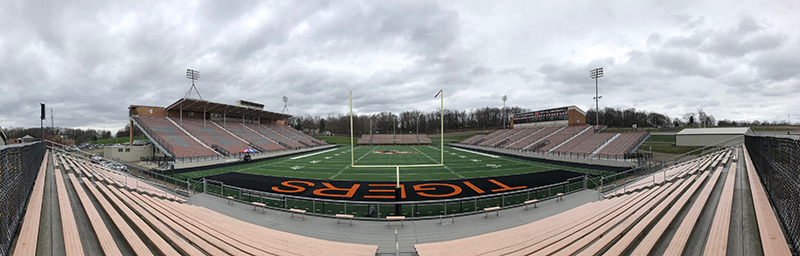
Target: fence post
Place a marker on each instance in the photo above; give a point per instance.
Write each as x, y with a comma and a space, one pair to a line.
602, 178
585, 180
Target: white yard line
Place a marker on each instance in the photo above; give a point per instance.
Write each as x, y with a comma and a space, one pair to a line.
348, 166
477, 153
316, 153
445, 167
340, 172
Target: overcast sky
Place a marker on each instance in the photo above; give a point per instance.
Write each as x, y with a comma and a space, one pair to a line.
89, 60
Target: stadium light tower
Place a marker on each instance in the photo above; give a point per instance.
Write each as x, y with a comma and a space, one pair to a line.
194, 75
505, 97
595, 74
285, 104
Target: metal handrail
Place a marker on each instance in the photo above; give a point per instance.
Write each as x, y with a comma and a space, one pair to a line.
284, 197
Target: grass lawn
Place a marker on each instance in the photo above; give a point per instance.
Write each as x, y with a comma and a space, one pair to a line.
663, 144
333, 139
335, 165
776, 128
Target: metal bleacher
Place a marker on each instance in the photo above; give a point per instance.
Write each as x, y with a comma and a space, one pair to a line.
181, 143
689, 213
213, 135
572, 140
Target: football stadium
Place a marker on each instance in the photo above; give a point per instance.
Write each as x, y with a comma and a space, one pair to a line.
549, 185
417, 128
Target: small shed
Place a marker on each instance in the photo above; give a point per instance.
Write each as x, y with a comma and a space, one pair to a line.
708, 136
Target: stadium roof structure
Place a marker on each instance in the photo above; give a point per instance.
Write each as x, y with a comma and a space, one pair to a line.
198, 105
716, 131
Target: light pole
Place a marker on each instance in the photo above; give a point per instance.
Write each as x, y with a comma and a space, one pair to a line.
418, 124
194, 75
505, 97
595, 74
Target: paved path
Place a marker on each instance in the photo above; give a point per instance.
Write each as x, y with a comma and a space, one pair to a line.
377, 232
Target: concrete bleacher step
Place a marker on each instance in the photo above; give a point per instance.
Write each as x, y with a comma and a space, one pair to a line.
227, 131
588, 128
604, 144
536, 143
525, 137
187, 133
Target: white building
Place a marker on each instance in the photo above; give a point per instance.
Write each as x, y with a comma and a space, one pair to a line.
708, 136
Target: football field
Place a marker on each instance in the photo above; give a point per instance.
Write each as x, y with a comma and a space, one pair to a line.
335, 164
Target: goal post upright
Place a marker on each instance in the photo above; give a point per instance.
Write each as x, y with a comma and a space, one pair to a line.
441, 148
352, 157
397, 167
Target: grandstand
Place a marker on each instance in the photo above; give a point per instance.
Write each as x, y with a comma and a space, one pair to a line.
193, 130
393, 139
558, 131
562, 116
656, 216
685, 209
104, 212
582, 141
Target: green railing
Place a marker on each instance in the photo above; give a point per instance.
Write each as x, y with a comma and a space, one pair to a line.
410, 209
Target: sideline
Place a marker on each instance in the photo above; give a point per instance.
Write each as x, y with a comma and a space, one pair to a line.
474, 152
316, 153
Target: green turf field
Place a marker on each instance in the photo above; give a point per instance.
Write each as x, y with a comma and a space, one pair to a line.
334, 164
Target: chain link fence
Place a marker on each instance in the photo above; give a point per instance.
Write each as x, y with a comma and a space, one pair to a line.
19, 165
777, 162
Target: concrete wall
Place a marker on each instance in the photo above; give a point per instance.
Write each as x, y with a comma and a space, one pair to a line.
542, 124
701, 139
576, 118
130, 153
147, 111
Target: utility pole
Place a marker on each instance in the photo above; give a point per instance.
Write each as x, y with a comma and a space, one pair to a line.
505, 97
595, 74
41, 122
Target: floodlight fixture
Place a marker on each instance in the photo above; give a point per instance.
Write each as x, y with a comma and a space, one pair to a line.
595, 74
194, 75
285, 105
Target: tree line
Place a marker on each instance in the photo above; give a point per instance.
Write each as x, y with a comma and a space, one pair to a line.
58, 134
492, 118
414, 121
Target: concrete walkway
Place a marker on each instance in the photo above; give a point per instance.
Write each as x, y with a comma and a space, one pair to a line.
378, 233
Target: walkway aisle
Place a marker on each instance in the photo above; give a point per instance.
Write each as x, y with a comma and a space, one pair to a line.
377, 233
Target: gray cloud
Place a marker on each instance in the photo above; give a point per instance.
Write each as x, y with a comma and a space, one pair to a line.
90, 60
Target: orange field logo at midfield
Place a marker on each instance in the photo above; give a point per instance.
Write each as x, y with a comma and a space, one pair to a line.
392, 152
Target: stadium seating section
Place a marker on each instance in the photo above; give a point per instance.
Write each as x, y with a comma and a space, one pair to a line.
101, 212
685, 209
393, 139
192, 137
573, 140
182, 144
637, 221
